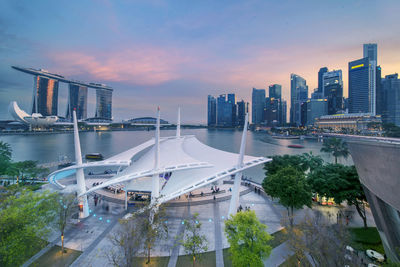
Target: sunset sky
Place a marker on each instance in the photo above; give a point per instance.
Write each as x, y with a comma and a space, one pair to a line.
174, 53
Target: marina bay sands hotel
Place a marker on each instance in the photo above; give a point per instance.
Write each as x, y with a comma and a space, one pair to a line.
45, 95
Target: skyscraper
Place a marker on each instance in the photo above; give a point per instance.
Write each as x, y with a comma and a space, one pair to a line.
45, 96
211, 111
224, 111
272, 106
232, 101
257, 106
332, 88
320, 75
362, 86
315, 109
380, 97
371, 51
77, 99
283, 113
298, 95
391, 87
103, 104
242, 110
275, 91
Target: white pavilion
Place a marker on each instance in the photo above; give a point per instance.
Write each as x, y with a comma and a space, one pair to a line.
165, 166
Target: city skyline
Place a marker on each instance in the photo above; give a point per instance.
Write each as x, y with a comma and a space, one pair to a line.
187, 51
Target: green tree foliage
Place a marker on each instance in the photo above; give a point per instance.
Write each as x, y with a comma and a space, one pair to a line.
391, 130
290, 186
335, 146
193, 242
24, 217
342, 183
248, 239
304, 162
5, 157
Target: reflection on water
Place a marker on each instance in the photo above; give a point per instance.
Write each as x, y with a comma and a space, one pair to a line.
49, 147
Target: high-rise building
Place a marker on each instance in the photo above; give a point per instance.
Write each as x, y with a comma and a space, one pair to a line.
224, 111
332, 88
103, 104
320, 75
391, 88
77, 100
258, 106
298, 95
362, 86
211, 111
272, 106
45, 96
371, 51
315, 109
232, 101
275, 91
380, 97
317, 94
242, 108
283, 113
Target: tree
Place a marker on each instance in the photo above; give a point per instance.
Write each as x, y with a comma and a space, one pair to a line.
65, 205
248, 239
324, 243
342, 183
127, 240
290, 186
24, 219
391, 130
153, 227
193, 242
335, 146
303, 163
5, 157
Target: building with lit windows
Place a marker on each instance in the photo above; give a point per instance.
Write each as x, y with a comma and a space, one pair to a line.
77, 100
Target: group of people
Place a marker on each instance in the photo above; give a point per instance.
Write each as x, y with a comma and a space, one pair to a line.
96, 199
241, 208
214, 189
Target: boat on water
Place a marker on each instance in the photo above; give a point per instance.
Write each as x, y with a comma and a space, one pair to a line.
94, 156
295, 146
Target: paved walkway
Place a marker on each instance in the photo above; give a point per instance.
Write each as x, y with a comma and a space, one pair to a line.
176, 245
219, 257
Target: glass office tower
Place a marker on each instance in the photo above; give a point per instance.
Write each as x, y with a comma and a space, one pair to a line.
332, 87
257, 106
211, 111
77, 99
103, 104
45, 96
359, 86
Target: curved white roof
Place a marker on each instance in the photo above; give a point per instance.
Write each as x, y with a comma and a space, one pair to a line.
192, 164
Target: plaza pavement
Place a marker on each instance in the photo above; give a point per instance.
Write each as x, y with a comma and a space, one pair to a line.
91, 235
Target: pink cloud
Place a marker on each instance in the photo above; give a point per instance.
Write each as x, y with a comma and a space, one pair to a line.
144, 66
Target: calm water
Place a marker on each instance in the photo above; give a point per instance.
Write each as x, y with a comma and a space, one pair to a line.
49, 147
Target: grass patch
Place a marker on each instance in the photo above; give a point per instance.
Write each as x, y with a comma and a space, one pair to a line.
53, 257
207, 260
227, 257
278, 238
366, 238
154, 261
292, 261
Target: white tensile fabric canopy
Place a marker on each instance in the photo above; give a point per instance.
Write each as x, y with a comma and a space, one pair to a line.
184, 161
